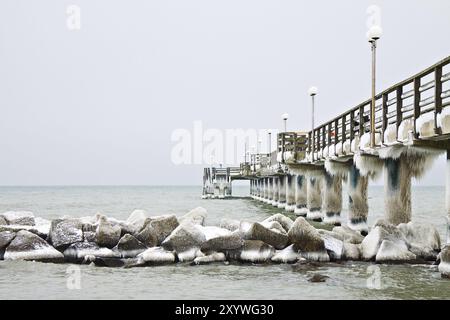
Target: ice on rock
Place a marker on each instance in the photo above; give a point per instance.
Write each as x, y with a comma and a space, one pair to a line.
189, 254
335, 247
157, 255
230, 224
423, 239
351, 251
129, 246
23, 218
107, 234
137, 219
284, 221
287, 255
195, 216
210, 258
162, 226
393, 252
349, 235
5, 239
28, 246
186, 236
444, 265
256, 251
78, 251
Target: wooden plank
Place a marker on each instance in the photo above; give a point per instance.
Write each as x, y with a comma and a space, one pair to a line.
416, 104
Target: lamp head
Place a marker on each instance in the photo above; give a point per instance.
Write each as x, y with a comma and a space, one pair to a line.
285, 116
375, 32
313, 91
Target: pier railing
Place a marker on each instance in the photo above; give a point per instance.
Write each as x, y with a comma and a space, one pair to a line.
423, 95
292, 146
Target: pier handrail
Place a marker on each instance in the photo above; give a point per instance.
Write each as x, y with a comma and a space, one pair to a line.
408, 99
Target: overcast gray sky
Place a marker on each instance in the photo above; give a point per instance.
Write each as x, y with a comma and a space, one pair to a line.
98, 105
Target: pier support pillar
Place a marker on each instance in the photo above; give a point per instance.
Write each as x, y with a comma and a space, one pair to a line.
282, 192
397, 191
301, 195
314, 198
332, 199
357, 197
275, 192
270, 190
258, 189
447, 196
290, 193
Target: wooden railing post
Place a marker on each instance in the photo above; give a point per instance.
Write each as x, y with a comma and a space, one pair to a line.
385, 112
437, 96
399, 106
416, 105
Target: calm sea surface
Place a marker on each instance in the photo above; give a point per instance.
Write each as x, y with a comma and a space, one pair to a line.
30, 280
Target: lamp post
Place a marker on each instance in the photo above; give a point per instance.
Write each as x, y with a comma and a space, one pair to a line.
373, 35
313, 91
285, 118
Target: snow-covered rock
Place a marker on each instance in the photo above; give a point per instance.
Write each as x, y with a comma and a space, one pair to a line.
28, 246
287, 255
305, 237
3, 221
348, 235
65, 232
5, 239
230, 224
230, 241
210, 258
137, 219
444, 265
195, 216
189, 254
186, 236
107, 234
334, 247
423, 239
394, 252
162, 226
276, 238
351, 251
254, 251
129, 246
24, 218
80, 250
157, 255
285, 222
148, 236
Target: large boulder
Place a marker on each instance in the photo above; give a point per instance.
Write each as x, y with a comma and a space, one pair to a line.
305, 237
28, 246
107, 234
444, 265
24, 218
382, 231
148, 236
81, 251
5, 239
137, 219
157, 255
423, 239
195, 216
276, 238
334, 247
254, 251
16, 228
3, 221
229, 241
351, 251
284, 221
129, 246
348, 235
162, 226
186, 236
394, 252
65, 232
287, 255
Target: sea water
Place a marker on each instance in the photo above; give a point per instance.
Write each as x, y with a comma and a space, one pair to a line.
349, 280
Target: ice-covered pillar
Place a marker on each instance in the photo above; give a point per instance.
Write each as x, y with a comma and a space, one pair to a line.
332, 199
447, 196
314, 198
282, 192
258, 188
290, 193
270, 190
275, 191
397, 191
251, 187
357, 198
301, 195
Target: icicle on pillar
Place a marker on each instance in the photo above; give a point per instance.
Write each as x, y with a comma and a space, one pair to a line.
301, 196
314, 199
290, 193
275, 192
397, 191
282, 192
332, 199
270, 190
357, 198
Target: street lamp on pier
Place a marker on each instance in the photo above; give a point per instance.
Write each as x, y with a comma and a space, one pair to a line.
313, 91
373, 35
